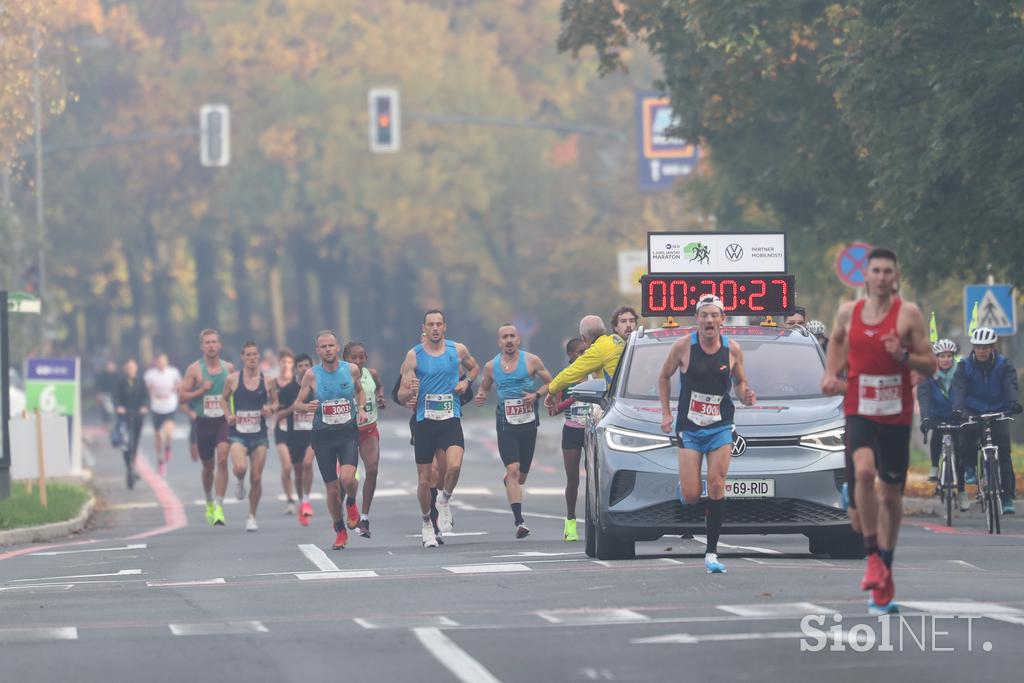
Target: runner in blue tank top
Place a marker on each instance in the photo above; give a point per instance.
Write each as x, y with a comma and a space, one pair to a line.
515, 371
430, 382
706, 362
250, 399
336, 409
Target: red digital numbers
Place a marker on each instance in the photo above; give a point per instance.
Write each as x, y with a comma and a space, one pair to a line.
762, 288
727, 304
740, 294
784, 284
657, 302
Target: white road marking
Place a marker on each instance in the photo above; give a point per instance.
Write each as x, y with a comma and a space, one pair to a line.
393, 492
474, 491
328, 576
967, 564
963, 608
173, 584
777, 609
28, 635
131, 546
823, 563
318, 557
234, 501
224, 628
487, 568
450, 533
123, 572
750, 559
28, 588
132, 506
670, 560
688, 639
1008, 618
756, 549
473, 508
544, 490
603, 563
538, 553
463, 666
412, 621
582, 617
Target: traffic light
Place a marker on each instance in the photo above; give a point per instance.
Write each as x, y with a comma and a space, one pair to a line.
214, 135
384, 120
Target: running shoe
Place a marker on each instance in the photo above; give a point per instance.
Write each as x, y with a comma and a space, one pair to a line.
971, 476
364, 528
844, 495
882, 597
289, 508
162, 468
522, 531
875, 573
251, 525
712, 565
933, 474
876, 609
341, 540
444, 514
210, 517
569, 531
352, 513
963, 501
240, 489
437, 533
305, 512
130, 478
1008, 508
429, 539
218, 515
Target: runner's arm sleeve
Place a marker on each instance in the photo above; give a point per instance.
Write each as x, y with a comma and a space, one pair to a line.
958, 392
591, 360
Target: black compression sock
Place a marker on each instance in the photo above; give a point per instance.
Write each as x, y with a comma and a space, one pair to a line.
714, 523
350, 500
517, 512
871, 544
886, 555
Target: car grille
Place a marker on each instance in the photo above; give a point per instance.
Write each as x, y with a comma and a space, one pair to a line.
737, 512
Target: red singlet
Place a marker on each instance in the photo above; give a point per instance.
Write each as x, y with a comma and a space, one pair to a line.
878, 386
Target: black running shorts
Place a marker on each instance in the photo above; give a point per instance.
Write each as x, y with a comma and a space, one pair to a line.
434, 435
890, 444
333, 447
516, 445
572, 438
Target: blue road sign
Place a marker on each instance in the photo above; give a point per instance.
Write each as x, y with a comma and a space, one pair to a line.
661, 159
850, 263
996, 307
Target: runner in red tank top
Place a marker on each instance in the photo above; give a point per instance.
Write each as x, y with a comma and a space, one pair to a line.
878, 341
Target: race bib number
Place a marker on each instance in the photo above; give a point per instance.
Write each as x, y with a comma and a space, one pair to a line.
880, 395
578, 412
438, 406
247, 421
212, 406
337, 411
705, 409
303, 422
517, 412
368, 409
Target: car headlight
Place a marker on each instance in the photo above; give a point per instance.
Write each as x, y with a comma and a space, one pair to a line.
832, 440
633, 442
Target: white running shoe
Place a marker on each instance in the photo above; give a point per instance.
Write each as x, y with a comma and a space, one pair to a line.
289, 509
522, 531
963, 502
251, 525
240, 489
444, 514
429, 540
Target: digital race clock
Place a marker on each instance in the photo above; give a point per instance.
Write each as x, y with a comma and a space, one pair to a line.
668, 294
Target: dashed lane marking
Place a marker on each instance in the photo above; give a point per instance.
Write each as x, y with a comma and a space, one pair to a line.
754, 548
31, 635
689, 639
224, 628
473, 508
412, 621
177, 584
581, 617
463, 666
330, 576
777, 609
123, 572
318, 557
487, 568
131, 546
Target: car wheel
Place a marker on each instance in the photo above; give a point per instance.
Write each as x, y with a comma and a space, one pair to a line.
590, 538
612, 547
844, 544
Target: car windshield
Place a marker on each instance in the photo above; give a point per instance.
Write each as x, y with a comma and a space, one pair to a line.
775, 370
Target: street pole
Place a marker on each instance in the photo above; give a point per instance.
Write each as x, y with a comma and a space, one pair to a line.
38, 114
5, 401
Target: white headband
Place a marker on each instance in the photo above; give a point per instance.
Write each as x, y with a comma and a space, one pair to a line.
711, 300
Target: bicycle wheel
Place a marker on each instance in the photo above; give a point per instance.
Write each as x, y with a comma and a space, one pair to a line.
946, 483
997, 503
983, 494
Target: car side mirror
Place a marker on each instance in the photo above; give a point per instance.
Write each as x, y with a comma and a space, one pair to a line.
590, 391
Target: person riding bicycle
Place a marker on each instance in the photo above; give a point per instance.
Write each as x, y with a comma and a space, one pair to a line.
986, 382
933, 396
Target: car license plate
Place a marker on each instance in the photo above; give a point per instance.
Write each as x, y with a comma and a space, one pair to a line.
744, 488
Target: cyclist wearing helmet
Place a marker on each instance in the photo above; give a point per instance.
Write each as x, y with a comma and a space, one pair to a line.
933, 395
986, 382
817, 328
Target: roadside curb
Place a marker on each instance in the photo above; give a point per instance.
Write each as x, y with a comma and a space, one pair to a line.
48, 532
926, 507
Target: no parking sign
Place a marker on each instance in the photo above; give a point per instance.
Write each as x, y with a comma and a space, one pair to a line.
851, 262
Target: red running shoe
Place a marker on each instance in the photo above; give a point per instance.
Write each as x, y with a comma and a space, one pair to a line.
352, 516
881, 597
875, 574
305, 512
341, 540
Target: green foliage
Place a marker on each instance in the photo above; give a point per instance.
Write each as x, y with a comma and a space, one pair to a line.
64, 502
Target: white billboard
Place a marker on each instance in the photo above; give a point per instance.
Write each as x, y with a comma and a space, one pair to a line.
715, 252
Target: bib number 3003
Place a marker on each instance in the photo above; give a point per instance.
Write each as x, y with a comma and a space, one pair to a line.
337, 411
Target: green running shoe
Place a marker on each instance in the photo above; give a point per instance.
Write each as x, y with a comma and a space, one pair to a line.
570, 531
209, 513
218, 515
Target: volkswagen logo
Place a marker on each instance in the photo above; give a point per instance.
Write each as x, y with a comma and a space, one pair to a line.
734, 252
739, 445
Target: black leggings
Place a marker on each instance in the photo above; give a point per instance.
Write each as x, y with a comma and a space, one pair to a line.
134, 428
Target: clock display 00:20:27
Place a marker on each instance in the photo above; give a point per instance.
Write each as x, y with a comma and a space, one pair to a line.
740, 294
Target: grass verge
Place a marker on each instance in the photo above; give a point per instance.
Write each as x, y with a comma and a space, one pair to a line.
22, 509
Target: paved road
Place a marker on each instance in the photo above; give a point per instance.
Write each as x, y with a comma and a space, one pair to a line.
150, 592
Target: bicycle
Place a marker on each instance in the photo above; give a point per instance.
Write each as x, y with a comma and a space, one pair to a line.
989, 489
948, 478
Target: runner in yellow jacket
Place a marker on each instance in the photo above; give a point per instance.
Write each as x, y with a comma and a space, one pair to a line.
602, 355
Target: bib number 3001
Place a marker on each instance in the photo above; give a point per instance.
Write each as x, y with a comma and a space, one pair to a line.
880, 395
705, 409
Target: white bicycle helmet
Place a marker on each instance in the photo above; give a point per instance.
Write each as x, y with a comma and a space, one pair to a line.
944, 346
984, 336
816, 327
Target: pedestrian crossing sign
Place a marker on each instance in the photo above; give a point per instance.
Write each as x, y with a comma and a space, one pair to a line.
996, 307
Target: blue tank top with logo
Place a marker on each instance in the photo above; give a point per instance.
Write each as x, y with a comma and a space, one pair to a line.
337, 395
511, 387
438, 376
